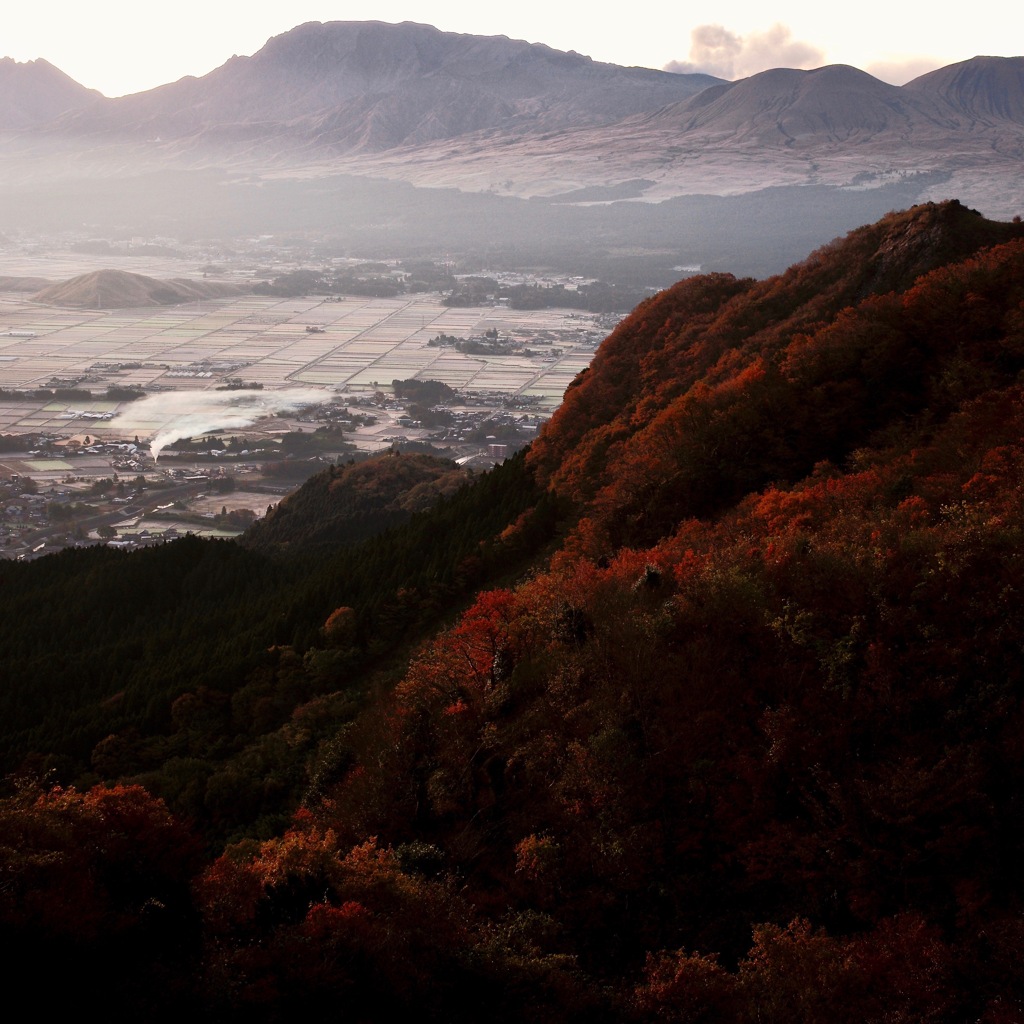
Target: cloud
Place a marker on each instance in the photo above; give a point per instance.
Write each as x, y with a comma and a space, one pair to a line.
715, 50
899, 72
191, 413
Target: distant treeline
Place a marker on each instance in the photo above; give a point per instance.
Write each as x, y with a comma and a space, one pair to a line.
373, 279
381, 281
428, 392
112, 394
596, 297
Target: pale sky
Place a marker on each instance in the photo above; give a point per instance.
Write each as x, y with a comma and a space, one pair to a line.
123, 46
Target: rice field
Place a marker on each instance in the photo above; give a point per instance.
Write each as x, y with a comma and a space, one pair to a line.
361, 345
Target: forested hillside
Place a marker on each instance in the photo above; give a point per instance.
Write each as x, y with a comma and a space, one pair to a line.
349, 503
709, 708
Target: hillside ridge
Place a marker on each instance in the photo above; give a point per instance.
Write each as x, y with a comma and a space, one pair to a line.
710, 706
35, 92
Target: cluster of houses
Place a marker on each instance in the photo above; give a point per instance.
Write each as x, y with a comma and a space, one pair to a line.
20, 510
130, 539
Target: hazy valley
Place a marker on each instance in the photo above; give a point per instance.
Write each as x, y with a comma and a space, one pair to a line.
399, 139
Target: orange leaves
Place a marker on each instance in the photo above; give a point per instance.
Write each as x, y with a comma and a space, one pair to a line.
299, 915
783, 511
340, 627
717, 387
84, 864
461, 666
228, 895
900, 972
248, 878
324, 921
914, 510
242, 880
588, 540
485, 628
687, 987
536, 857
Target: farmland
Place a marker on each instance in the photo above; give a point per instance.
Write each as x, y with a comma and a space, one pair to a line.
351, 345
100, 392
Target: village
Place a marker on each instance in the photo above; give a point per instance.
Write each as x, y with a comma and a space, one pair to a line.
70, 477
131, 426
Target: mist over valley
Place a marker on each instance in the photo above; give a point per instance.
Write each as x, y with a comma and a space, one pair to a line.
394, 140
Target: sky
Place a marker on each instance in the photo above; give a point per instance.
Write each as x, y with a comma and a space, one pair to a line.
123, 46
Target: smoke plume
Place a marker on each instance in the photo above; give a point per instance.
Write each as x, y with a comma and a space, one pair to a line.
191, 413
715, 50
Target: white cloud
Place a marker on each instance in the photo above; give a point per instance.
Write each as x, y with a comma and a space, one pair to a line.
714, 50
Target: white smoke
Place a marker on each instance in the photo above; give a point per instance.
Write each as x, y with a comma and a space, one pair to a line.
715, 50
191, 413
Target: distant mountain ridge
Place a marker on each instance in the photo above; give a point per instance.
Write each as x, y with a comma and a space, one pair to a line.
506, 119
372, 86
960, 131
836, 103
35, 91
981, 88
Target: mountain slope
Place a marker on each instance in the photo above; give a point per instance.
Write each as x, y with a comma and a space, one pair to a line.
346, 504
760, 765
834, 126
983, 88
36, 92
373, 86
496, 118
788, 107
714, 384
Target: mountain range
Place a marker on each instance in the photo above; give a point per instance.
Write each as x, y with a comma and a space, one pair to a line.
401, 139
493, 114
35, 92
369, 86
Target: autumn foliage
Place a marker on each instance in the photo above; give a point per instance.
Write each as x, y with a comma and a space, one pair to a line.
744, 743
